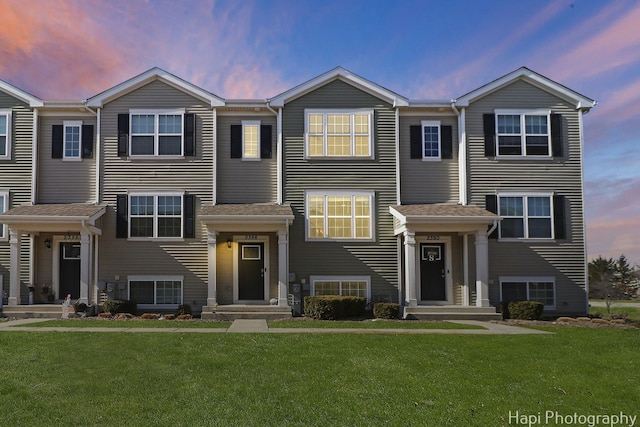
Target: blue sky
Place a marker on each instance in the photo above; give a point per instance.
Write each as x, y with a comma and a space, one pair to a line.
74, 49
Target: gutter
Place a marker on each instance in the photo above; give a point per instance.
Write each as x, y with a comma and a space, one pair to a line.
462, 153
279, 168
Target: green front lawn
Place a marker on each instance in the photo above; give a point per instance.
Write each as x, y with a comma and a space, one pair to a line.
133, 323
630, 313
369, 324
89, 378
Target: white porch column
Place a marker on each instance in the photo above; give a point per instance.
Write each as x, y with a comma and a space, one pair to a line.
283, 270
211, 284
482, 269
465, 270
411, 298
85, 265
14, 267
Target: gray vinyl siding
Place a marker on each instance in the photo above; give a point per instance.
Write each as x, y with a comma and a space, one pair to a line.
563, 259
61, 181
245, 181
427, 181
123, 258
377, 259
15, 177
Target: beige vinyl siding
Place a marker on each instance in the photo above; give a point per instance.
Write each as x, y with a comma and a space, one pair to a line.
377, 259
563, 259
61, 181
15, 177
123, 258
427, 181
245, 181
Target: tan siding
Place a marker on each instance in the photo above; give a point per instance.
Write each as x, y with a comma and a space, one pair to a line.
427, 181
62, 181
245, 181
564, 259
376, 259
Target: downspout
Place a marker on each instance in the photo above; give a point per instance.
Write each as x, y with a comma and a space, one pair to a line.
98, 156
397, 153
279, 168
214, 166
462, 154
34, 158
584, 224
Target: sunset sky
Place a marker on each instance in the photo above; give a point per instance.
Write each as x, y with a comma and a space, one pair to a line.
74, 49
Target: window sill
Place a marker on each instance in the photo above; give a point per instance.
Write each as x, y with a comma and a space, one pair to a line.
341, 158
527, 240
72, 159
248, 159
434, 159
156, 158
520, 158
155, 239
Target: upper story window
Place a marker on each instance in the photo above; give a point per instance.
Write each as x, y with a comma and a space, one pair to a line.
526, 216
5, 134
339, 133
152, 215
430, 140
339, 215
251, 140
72, 140
523, 133
4, 203
157, 133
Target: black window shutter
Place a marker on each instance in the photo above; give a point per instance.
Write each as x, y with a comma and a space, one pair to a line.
123, 134
489, 121
57, 141
236, 141
415, 141
122, 216
556, 135
87, 141
559, 220
446, 142
189, 224
265, 141
190, 134
491, 204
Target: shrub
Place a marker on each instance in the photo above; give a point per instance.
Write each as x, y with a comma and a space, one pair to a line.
183, 309
333, 307
114, 306
523, 310
386, 310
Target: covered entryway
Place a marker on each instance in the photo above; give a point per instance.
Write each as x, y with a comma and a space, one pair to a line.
64, 239
250, 271
433, 283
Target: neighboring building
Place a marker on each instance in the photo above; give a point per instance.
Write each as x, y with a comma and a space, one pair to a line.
161, 192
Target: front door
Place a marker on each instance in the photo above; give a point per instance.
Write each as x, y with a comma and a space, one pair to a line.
432, 272
69, 270
251, 271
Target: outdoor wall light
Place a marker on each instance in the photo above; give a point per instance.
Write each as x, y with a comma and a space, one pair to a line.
47, 243
229, 243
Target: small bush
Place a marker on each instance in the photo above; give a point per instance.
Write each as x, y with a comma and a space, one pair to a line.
183, 309
524, 310
386, 310
114, 306
333, 307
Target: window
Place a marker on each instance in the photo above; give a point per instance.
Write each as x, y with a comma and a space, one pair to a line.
155, 215
5, 134
357, 286
540, 289
339, 216
430, 140
4, 203
157, 133
160, 290
523, 133
338, 133
526, 216
251, 140
72, 140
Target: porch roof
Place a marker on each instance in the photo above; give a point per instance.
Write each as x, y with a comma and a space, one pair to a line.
445, 216
43, 217
248, 213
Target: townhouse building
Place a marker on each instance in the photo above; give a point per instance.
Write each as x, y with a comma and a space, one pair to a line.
161, 192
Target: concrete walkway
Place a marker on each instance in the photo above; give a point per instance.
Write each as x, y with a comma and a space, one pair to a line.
260, 326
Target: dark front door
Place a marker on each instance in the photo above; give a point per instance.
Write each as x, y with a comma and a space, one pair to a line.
251, 271
69, 270
432, 272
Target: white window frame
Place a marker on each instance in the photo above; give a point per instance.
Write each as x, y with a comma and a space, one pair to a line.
7, 115
4, 205
528, 280
156, 132
341, 279
431, 123
523, 133
352, 134
353, 194
246, 123
68, 124
525, 216
155, 216
155, 279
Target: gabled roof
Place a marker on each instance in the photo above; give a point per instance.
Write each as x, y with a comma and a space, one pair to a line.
346, 76
20, 94
54, 212
147, 77
538, 80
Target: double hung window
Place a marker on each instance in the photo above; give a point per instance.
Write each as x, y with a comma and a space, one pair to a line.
72, 143
155, 215
357, 286
157, 133
4, 203
339, 216
339, 133
523, 133
5, 134
251, 140
540, 289
156, 290
526, 216
431, 140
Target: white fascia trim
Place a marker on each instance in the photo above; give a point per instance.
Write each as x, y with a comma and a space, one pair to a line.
20, 94
246, 219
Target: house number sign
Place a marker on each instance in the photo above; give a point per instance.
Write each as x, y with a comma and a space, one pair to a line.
251, 237
70, 236
433, 237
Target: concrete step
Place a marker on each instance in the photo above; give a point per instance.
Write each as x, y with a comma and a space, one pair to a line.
44, 311
236, 311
